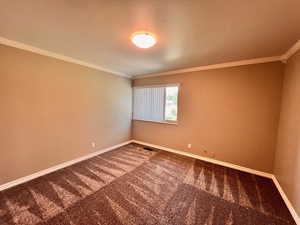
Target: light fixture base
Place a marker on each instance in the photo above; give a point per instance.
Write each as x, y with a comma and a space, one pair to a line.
143, 39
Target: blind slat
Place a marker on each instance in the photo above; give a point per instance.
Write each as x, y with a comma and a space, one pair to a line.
148, 104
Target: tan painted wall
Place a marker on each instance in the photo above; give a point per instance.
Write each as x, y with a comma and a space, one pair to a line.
232, 112
51, 111
287, 160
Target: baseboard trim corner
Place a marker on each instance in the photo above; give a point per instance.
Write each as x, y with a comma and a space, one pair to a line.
218, 162
286, 200
233, 166
101, 151
59, 166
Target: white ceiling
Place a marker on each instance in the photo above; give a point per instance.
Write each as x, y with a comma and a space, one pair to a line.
190, 32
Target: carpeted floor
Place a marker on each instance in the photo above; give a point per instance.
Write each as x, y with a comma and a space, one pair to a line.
131, 185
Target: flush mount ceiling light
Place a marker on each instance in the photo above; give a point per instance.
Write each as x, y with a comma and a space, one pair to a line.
143, 39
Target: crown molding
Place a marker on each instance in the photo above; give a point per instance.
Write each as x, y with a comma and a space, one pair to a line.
213, 66
43, 52
283, 58
293, 50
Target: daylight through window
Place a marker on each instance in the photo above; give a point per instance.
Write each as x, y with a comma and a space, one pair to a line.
156, 103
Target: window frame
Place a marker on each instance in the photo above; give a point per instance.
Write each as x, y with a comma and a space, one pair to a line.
172, 122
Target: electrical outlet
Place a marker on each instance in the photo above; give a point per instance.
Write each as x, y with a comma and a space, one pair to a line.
213, 155
189, 145
93, 144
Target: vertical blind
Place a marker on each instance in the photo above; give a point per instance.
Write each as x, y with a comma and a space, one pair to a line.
148, 103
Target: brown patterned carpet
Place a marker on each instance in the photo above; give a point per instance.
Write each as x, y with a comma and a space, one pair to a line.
131, 185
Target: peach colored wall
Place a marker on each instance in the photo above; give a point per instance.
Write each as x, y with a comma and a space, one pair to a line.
287, 160
52, 110
230, 112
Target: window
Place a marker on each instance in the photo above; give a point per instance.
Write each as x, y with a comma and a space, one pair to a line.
156, 103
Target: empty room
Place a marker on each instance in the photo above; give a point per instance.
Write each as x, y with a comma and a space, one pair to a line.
149, 112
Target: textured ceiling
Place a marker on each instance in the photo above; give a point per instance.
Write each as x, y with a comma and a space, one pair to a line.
190, 32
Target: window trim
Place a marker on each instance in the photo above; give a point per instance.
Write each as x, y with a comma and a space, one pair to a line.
161, 122
170, 122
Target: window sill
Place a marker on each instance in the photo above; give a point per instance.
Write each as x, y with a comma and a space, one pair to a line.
163, 122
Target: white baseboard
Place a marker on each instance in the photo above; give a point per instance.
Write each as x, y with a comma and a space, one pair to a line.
233, 166
226, 164
59, 166
218, 162
287, 201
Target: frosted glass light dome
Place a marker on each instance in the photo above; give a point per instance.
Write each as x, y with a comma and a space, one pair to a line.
143, 39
